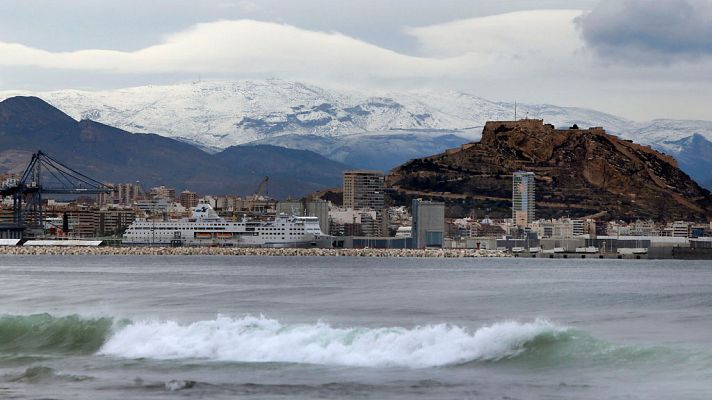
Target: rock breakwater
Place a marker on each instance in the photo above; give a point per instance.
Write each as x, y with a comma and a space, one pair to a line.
233, 251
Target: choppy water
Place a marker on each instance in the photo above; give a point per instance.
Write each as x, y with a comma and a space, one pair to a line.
220, 327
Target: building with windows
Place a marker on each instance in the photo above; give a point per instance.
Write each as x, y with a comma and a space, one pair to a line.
82, 222
153, 207
188, 199
365, 190
428, 227
523, 198
681, 229
351, 222
122, 195
162, 192
113, 222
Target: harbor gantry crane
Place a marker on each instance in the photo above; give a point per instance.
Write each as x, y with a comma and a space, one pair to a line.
43, 175
261, 188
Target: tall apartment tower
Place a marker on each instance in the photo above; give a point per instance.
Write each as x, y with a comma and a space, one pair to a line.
523, 195
364, 189
122, 194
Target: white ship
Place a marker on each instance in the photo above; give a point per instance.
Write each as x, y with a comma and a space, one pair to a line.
206, 228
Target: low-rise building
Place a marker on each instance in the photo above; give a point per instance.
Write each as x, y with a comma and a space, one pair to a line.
680, 229
354, 222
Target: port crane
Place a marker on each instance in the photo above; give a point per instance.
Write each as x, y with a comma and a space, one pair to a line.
43, 175
261, 188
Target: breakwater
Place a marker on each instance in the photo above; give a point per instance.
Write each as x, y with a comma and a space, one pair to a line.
246, 251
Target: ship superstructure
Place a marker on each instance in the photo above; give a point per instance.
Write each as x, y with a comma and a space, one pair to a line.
206, 228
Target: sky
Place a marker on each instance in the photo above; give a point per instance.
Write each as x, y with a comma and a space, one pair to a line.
640, 59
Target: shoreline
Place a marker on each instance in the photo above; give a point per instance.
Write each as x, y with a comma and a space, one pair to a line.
248, 251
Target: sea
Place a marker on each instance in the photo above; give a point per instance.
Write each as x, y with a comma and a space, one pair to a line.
137, 327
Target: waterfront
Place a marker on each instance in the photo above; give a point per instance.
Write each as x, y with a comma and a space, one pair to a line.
116, 327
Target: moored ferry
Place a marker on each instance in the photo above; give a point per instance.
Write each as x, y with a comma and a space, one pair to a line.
206, 228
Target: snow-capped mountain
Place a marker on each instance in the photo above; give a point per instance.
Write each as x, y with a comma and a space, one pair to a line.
221, 114
346, 125
218, 114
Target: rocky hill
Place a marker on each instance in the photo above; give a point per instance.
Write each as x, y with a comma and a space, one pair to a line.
112, 155
579, 172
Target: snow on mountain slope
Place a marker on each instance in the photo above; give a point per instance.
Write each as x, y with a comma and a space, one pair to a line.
669, 130
221, 114
218, 114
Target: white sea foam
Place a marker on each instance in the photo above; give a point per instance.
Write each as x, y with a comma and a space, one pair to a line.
259, 339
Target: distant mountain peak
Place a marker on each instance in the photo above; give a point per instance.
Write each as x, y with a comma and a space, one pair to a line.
19, 105
32, 111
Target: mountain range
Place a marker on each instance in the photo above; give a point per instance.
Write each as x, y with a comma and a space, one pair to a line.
366, 129
112, 155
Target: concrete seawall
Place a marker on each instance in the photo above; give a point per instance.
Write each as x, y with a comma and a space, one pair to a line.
233, 251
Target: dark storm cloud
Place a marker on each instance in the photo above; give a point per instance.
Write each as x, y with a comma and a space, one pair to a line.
644, 31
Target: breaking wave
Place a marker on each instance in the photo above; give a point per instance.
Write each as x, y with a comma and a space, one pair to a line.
259, 339
251, 339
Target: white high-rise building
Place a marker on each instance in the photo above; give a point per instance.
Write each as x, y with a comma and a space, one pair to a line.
523, 198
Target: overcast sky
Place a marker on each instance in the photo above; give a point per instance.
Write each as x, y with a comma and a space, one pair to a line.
640, 59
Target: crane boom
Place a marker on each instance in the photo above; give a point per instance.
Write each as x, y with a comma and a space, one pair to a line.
262, 188
45, 175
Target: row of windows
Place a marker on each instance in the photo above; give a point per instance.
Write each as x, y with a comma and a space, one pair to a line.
173, 228
215, 228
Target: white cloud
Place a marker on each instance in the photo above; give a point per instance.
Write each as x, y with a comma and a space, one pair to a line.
461, 50
535, 56
253, 47
517, 33
514, 46
242, 47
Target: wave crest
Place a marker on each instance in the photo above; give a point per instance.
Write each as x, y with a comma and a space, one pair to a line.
260, 339
44, 333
